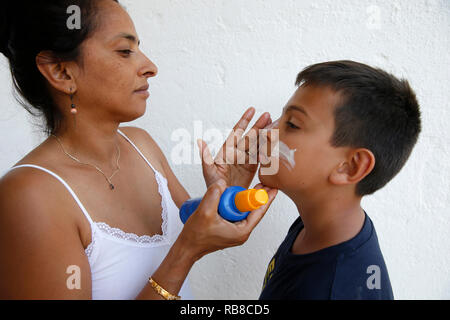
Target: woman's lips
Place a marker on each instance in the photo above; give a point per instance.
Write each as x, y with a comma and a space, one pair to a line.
143, 92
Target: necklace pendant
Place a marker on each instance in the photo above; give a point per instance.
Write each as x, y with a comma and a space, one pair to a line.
111, 186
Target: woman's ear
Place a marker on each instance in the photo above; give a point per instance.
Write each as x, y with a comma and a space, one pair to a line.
58, 73
360, 162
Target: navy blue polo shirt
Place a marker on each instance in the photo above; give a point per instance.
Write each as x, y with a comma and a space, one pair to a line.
354, 269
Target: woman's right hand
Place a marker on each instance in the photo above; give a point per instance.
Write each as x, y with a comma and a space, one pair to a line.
206, 231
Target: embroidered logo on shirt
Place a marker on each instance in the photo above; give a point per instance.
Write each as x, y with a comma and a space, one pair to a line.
269, 272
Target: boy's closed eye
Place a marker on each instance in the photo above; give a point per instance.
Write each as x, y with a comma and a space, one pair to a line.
294, 122
291, 125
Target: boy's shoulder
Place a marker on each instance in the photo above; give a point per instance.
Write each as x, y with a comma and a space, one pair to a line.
361, 273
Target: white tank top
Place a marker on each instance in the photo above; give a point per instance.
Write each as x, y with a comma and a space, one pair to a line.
121, 262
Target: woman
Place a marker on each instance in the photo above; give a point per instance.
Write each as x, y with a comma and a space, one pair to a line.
127, 242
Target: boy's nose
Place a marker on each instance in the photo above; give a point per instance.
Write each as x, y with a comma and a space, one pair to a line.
270, 127
273, 125
269, 139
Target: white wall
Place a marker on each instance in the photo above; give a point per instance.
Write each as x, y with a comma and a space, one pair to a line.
217, 57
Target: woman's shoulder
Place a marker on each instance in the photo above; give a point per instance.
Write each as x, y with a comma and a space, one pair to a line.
31, 186
27, 185
32, 197
25, 179
139, 135
36, 226
148, 146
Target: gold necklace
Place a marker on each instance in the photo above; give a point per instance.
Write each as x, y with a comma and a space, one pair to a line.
111, 186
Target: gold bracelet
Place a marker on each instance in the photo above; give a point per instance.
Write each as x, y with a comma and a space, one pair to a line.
162, 292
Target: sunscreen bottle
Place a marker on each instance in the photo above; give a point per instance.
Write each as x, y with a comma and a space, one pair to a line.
235, 203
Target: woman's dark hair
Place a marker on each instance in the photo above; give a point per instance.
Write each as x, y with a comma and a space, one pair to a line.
28, 27
377, 111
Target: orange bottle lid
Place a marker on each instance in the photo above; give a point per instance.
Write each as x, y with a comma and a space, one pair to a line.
251, 199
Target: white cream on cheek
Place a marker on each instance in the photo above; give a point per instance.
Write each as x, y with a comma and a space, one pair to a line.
282, 150
285, 154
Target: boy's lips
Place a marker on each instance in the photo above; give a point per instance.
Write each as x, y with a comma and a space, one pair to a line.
264, 159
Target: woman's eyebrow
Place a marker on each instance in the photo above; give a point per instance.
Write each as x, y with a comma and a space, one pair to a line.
128, 37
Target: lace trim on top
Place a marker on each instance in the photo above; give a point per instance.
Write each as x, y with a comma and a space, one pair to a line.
90, 247
144, 239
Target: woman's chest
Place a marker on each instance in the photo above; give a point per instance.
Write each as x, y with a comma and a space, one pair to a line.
134, 205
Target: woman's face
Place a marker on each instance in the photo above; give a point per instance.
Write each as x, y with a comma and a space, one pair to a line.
112, 80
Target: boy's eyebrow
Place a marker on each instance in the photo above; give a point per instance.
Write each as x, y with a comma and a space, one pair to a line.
297, 108
127, 36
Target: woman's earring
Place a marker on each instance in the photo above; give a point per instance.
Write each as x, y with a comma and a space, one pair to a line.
73, 108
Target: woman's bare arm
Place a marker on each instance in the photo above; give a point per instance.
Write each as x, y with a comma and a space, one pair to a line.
41, 253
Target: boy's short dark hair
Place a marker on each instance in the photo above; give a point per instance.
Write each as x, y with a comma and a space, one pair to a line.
377, 111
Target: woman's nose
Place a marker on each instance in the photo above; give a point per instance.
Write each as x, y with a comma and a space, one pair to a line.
149, 69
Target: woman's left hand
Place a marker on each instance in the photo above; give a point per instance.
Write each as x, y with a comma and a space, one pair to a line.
234, 163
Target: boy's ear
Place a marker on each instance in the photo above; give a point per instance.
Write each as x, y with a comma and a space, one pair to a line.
58, 73
360, 162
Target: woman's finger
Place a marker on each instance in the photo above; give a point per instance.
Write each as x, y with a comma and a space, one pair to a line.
245, 120
246, 144
256, 215
240, 148
210, 202
240, 127
234, 136
205, 154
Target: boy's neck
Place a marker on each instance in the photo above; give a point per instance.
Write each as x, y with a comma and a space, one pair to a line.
328, 221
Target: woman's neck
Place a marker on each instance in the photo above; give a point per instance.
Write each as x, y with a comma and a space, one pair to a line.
94, 143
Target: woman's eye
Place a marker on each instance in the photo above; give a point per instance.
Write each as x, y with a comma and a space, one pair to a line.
291, 125
126, 52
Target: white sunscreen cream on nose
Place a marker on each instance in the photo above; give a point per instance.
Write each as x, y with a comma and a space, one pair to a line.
281, 150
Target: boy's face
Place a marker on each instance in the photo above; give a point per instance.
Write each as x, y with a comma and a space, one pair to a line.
307, 125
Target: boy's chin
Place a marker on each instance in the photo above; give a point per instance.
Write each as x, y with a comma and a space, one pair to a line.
268, 180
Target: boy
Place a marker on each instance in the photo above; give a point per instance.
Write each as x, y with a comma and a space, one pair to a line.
353, 128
